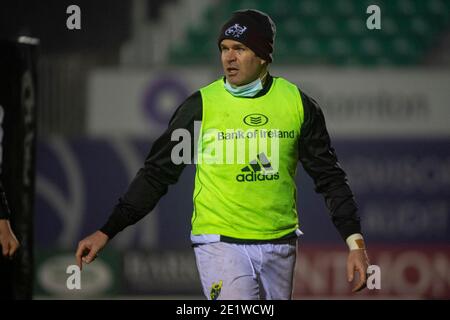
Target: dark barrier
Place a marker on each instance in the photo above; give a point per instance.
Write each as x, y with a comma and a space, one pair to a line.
18, 99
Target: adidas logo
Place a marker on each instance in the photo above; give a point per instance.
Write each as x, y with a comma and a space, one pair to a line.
257, 170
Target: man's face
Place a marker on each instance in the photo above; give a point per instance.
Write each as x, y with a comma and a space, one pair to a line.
240, 64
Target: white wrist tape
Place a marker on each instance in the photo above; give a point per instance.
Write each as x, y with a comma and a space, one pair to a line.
355, 241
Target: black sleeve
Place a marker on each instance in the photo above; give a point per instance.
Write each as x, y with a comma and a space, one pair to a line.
152, 181
4, 209
320, 161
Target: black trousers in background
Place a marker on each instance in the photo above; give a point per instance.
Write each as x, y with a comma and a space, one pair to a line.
6, 276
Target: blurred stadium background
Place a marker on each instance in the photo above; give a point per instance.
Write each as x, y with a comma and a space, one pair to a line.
105, 92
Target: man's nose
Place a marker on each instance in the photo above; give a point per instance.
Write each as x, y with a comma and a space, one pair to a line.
230, 55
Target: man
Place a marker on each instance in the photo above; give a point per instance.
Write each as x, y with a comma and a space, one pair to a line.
244, 224
9, 245
8, 240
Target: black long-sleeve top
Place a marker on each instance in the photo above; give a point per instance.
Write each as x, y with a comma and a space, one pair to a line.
4, 209
315, 153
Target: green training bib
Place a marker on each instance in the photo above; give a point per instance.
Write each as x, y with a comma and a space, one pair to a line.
246, 163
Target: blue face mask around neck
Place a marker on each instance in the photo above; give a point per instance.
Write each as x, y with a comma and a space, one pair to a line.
247, 90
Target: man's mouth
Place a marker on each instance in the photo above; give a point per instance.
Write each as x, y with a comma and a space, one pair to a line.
232, 70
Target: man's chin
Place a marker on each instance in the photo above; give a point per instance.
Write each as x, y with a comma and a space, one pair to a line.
233, 80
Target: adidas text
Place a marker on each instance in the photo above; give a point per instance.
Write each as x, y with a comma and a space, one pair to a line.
253, 176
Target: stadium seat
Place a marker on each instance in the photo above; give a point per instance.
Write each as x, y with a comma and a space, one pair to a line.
326, 32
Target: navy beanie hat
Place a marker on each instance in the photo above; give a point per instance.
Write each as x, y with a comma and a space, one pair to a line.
252, 28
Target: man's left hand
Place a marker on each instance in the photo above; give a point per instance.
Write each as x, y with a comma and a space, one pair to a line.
357, 262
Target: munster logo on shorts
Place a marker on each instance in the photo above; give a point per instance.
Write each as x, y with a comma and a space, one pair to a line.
258, 170
215, 290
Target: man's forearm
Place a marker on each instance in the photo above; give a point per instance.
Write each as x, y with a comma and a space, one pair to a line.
343, 210
142, 196
4, 208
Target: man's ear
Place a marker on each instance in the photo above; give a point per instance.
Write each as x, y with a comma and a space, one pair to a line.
262, 61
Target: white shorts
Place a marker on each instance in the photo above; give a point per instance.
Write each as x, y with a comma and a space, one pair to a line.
230, 271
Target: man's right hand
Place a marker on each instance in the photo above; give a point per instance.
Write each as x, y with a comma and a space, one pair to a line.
8, 240
89, 247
